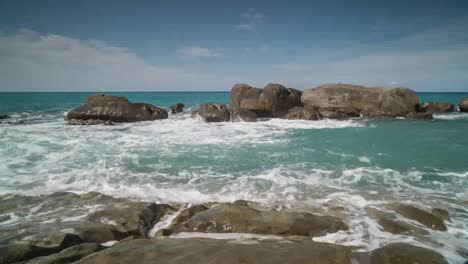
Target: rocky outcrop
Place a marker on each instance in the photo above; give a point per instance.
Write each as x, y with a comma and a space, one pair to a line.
20, 252
464, 104
68, 255
213, 251
274, 100
405, 254
240, 218
177, 108
436, 107
115, 109
212, 112
419, 116
243, 116
304, 113
345, 100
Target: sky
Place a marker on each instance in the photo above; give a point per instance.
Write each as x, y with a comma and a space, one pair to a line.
178, 45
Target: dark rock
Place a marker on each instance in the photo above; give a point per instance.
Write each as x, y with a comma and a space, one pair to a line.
213, 251
231, 218
21, 252
390, 223
305, 113
115, 109
150, 216
405, 254
187, 214
177, 108
4, 116
345, 99
211, 112
89, 122
441, 213
243, 116
437, 107
68, 255
464, 104
427, 219
273, 101
163, 232
419, 116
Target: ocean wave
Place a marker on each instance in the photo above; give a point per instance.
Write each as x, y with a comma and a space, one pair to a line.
451, 116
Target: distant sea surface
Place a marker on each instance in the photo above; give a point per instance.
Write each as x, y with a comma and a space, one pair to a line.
296, 164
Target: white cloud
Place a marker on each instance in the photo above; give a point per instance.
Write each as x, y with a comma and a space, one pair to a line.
33, 61
197, 53
250, 20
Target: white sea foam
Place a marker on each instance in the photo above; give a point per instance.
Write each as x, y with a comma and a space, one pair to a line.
451, 116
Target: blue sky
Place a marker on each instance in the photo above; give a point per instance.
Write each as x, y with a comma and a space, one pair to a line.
210, 45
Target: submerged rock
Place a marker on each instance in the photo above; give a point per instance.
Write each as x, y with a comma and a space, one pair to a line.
236, 218
419, 116
212, 112
213, 251
426, 218
68, 255
464, 105
405, 254
243, 116
437, 107
177, 108
351, 100
304, 113
274, 100
115, 109
4, 116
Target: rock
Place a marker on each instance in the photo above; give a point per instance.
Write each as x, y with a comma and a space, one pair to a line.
150, 216
115, 109
343, 100
405, 254
427, 219
235, 218
213, 251
419, 116
163, 232
437, 107
464, 104
274, 100
68, 255
211, 112
441, 213
21, 252
4, 116
177, 108
89, 122
243, 116
390, 223
187, 214
305, 113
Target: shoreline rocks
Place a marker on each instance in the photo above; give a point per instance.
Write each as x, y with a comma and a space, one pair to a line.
303, 113
463, 105
212, 112
436, 107
115, 109
177, 108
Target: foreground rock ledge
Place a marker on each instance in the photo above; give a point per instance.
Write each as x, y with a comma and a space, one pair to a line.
115, 109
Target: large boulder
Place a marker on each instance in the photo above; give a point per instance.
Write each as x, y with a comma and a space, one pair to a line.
177, 108
405, 254
20, 252
437, 107
212, 112
240, 218
344, 100
305, 113
213, 251
464, 104
274, 100
115, 109
68, 255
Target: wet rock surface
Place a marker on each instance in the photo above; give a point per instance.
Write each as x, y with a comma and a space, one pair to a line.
89, 122
197, 250
212, 112
463, 105
274, 100
177, 108
420, 116
115, 109
243, 116
68, 255
425, 218
235, 218
303, 113
437, 107
405, 254
349, 100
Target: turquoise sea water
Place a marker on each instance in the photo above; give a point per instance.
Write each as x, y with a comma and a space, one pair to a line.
298, 164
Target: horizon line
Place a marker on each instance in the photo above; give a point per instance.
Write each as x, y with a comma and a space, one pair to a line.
190, 91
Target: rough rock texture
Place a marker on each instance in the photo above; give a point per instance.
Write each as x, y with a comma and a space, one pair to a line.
426, 218
274, 100
214, 251
305, 113
177, 108
441, 213
347, 99
21, 252
243, 116
405, 254
89, 122
115, 109
393, 224
437, 107
419, 116
464, 105
212, 112
68, 255
240, 218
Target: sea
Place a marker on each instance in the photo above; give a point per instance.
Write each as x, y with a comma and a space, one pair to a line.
355, 164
